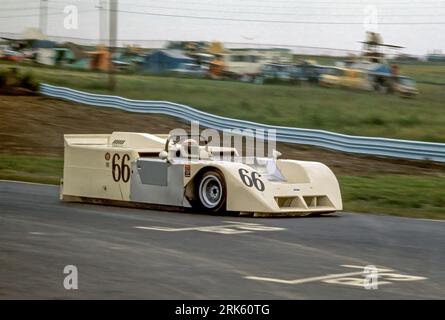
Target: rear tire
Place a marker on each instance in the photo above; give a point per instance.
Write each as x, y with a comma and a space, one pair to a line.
211, 191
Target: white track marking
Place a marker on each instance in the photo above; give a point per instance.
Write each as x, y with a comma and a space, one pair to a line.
361, 267
305, 280
385, 275
312, 279
400, 277
231, 228
431, 220
215, 229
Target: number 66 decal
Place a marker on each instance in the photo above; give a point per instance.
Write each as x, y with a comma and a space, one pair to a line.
251, 180
120, 170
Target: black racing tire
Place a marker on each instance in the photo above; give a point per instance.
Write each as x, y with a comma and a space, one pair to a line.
211, 191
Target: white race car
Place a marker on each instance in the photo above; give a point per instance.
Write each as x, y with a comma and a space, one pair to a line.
140, 169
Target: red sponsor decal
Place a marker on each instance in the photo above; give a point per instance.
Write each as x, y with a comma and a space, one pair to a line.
187, 170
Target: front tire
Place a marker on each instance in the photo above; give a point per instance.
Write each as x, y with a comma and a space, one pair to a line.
212, 192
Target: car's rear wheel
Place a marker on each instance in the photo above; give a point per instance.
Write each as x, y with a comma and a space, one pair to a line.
212, 192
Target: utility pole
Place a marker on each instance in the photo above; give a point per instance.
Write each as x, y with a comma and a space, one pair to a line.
43, 18
103, 22
112, 41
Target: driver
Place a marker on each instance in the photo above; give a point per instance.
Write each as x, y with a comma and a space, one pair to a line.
189, 148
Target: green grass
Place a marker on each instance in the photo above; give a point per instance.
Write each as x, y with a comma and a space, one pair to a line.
400, 195
343, 111
428, 73
31, 168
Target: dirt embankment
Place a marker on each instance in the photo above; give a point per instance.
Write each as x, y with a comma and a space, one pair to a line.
35, 125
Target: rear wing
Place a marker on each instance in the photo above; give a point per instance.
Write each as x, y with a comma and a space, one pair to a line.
86, 139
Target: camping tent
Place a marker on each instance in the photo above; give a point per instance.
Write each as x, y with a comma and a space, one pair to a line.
71, 55
380, 69
162, 61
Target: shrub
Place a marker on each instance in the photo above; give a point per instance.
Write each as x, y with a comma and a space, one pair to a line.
29, 82
2, 78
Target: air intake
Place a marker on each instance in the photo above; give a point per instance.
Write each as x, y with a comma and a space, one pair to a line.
289, 202
313, 202
118, 142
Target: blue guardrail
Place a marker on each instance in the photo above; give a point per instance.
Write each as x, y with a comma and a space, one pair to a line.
405, 149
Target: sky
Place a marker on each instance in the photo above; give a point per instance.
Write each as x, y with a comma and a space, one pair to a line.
417, 25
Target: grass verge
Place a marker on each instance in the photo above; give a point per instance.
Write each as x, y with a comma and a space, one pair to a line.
31, 168
338, 110
399, 195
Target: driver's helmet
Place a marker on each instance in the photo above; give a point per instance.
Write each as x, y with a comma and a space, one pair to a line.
189, 148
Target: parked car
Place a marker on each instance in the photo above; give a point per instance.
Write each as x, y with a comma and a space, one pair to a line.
238, 64
346, 78
121, 65
190, 70
276, 71
405, 87
2, 49
311, 72
282, 72
11, 55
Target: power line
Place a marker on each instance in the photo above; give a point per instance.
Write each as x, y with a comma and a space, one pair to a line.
246, 20
356, 2
298, 7
244, 3
308, 22
334, 5
253, 3
352, 5
28, 8
38, 1
287, 13
54, 13
20, 9
275, 21
343, 2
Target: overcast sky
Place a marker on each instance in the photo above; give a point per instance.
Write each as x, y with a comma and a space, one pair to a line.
318, 23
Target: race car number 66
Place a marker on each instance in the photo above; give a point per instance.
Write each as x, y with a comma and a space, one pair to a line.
120, 169
252, 180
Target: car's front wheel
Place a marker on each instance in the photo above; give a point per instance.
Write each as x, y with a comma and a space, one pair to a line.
212, 191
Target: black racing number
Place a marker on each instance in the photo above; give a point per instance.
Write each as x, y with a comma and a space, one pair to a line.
252, 180
257, 182
120, 169
125, 168
116, 169
245, 178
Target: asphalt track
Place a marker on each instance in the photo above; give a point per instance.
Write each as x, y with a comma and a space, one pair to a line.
141, 254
